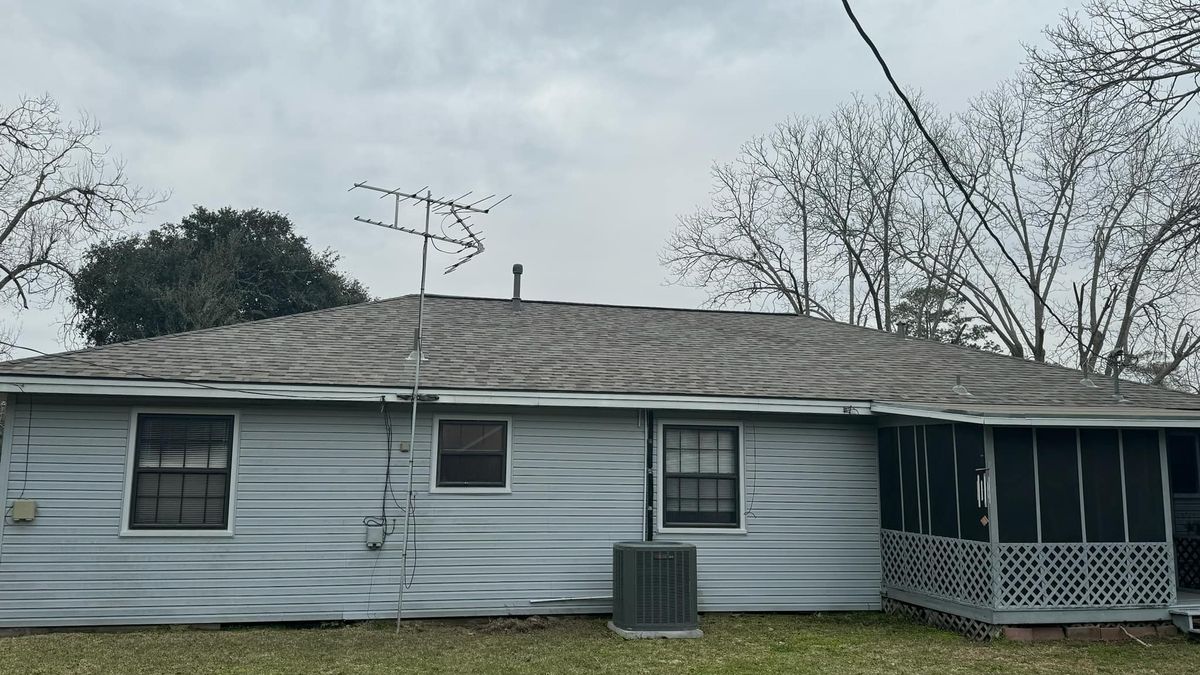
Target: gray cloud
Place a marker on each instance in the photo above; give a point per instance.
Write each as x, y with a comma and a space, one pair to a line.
601, 118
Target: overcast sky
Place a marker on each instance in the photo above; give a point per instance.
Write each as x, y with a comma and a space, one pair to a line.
602, 119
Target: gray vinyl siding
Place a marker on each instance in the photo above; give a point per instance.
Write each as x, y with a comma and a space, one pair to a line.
309, 473
812, 531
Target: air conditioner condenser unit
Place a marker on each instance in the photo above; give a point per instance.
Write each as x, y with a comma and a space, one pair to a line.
654, 590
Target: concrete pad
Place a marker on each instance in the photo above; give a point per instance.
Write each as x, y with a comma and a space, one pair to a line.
644, 634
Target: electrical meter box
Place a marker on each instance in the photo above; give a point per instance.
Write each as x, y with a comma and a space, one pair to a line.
374, 536
24, 510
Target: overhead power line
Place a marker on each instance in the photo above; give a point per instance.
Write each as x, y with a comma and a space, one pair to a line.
916, 117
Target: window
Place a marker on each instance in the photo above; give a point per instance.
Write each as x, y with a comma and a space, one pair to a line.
472, 455
181, 471
701, 484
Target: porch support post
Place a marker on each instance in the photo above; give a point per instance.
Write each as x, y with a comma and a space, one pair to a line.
989, 453
1168, 514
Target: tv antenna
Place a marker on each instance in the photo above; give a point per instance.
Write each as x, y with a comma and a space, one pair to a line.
457, 231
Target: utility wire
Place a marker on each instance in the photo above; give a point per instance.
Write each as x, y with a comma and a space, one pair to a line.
25, 460
912, 111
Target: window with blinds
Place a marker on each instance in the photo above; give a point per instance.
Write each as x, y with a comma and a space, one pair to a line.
181, 472
472, 454
701, 481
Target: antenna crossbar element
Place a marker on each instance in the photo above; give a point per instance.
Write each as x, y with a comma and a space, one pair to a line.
417, 196
449, 240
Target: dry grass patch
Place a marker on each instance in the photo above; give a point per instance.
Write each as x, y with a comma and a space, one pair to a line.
866, 643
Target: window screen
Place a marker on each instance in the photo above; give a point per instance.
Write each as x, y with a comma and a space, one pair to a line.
891, 516
1058, 484
1016, 501
1143, 485
181, 472
1183, 463
968, 449
922, 479
700, 476
943, 501
908, 479
472, 453
1103, 514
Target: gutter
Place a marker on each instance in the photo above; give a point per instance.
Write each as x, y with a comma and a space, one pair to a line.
1136, 417
31, 384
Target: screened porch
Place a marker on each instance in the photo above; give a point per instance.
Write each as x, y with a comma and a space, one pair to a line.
1012, 525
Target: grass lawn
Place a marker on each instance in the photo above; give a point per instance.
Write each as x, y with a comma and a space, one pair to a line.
732, 644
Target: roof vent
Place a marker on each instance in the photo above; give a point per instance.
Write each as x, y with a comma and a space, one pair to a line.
416, 350
1088, 382
1117, 361
518, 269
959, 388
902, 329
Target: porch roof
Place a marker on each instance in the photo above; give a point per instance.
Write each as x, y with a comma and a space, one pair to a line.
1116, 414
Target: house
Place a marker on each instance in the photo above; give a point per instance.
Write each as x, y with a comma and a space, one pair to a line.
233, 474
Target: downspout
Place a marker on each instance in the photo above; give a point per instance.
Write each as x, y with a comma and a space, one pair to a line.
649, 534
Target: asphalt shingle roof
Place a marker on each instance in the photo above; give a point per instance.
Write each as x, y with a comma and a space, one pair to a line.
479, 343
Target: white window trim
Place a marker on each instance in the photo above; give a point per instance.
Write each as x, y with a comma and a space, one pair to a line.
434, 450
125, 530
660, 478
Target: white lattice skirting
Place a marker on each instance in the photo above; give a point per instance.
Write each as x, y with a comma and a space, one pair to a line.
1029, 576
1055, 576
943, 567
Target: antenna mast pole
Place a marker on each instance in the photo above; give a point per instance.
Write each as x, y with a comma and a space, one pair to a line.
418, 355
469, 245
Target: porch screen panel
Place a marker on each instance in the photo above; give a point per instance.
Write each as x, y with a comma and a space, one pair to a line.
943, 506
968, 449
1058, 481
1143, 485
922, 478
1104, 518
1183, 462
891, 516
1016, 505
908, 478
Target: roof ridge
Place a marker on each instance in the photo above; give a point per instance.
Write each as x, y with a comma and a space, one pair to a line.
698, 310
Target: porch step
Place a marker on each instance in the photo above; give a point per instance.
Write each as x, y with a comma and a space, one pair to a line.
1187, 619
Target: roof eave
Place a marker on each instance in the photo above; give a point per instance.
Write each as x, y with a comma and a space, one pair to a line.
76, 386
1051, 416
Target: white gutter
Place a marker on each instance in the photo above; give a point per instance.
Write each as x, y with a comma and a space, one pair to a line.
654, 401
104, 387
1136, 417
26, 384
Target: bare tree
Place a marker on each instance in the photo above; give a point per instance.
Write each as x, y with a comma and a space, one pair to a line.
737, 247
872, 154
1146, 51
58, 191
1033, 172
807, 216
1089, 240
1138, 293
